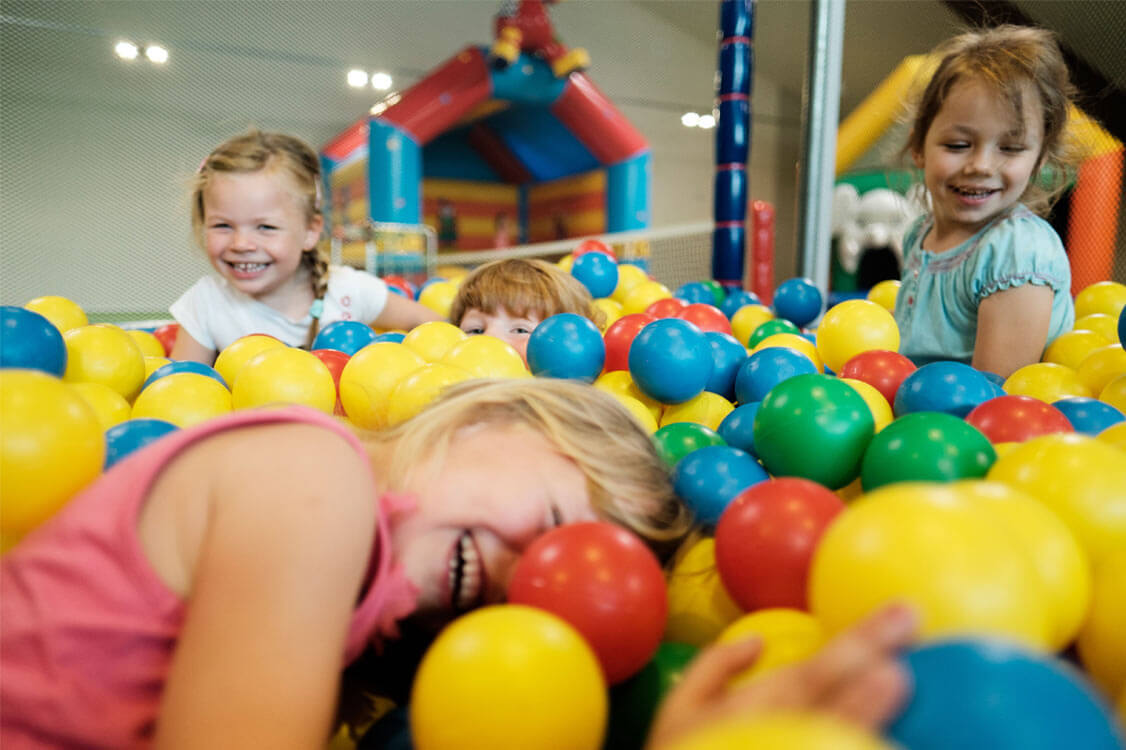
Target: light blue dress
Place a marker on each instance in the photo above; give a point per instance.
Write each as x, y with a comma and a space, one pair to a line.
936, 308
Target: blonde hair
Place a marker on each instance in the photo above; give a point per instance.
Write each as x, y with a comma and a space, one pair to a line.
523, 286
255, 151
1010, 59
627, 481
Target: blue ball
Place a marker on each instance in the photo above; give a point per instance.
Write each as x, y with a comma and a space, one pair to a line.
767, 368
670, 360
597, 272
950, 387
1122, 326
738, 428
1089, 415
991, 694
709, 478
727, 355
392, 336
30, 341
185, 365
133, 434
737, 300
348, 336
567, 346
397, 290
695, 292
798, 301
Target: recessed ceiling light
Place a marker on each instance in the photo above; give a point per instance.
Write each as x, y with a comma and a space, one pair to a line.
690, 119
125, 50
380, 81
357, 78
706, 122
156, 54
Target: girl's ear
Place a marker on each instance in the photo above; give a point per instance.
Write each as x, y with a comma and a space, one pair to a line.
313, 231
916, 155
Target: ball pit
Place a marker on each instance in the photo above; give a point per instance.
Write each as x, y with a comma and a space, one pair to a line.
566, 345
670, 360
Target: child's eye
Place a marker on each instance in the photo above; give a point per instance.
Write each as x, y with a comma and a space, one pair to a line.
956, 146
267, 227
475, 331
1014, 149
219, 225
522, 330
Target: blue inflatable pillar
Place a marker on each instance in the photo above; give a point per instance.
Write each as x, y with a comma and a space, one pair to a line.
394, 175
627, 194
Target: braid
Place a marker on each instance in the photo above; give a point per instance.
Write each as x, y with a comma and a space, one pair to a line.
317, 263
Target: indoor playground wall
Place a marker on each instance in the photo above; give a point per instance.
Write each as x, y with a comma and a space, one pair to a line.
471, 215
568, 207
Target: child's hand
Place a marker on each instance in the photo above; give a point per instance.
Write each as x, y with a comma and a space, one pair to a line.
855, 677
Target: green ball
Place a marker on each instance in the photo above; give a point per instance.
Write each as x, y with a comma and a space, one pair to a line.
718, 291
926, 446
813, 426
634, 702
769, 328
675, 441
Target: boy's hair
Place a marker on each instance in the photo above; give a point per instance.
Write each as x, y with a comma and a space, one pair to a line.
523, 286
1010, 59
627, 481
255, 151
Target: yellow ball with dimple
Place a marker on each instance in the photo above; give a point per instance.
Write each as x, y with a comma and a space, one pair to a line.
877, 404
1073, 347
1101, 323
788, 636
1114, 393
152, 364
107, 403
884, 294
1046, 381
241, 351
1106, 297
369, 377
149, 345
63, 313
746, 319
629, 276
439, 296
285, 375
620, 382
184, 399
1101, 366
699, 606
638, 410
414, 392
611, 311
642, 295
792, 341
487, 357
432, 340
104, 354
708, 409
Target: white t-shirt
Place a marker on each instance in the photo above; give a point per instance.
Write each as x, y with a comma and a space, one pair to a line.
216, 315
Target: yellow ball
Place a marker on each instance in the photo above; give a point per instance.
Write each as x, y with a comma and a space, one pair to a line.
451, 273
419, 388
1046, 381
792, 341
882, 414
852, 327
285, 375
230, 360
149, 345
1102, 640
611, 311
1100, 323
788, 636
51, 446
487, 357
508, 676
1114, 393
1114, 435
369, 377
924, 544
1055, 554
152, 364
781, 731
1101, 366
62, 312
639, 411
1073, 347
699, 606
1106, 297
708, 409
104, 354
746, 319
439, 296
566, 262
107, 403
184, 399
642, 295
884, 294
432, 340
1079, 477
620, 382
629, 276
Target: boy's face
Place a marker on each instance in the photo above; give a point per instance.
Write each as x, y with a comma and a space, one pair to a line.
512, 329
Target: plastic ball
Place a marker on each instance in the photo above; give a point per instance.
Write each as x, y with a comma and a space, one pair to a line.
1102, 366
30, 341
487, 357
395, 337
591, 245
1102, 324
768, 328
1102, 649
737, 300
629, 276
798, 300
882, 415
508, 676
884, 294
566, 262
950, 387
287, 376
348, 336
50, 448
603, 580
642, 295
699, 606
671, 360
401, 284
708, 409
788, 636
794, 341
598, 272
926, 446
149, 344
620, 382
566, 346
1122, 326
1014, 419
1114, 393
737, 428
433, 340
107, 355
166, 335
412, 394
1088, 415
108, 404
816, 427
186, 365
63, 313
746, 321
1071, 348
152, 364
781, 731
241, 351
727, 355
335, 361
611, 311
927, 545
438, 296
639, 411
633, 704
666, 307
675, 441
695, 292
1114, 435
709, 478
883, 370
766, 368
618, 338
1106, 297
132, 435
706, 317
184, 399
766, 538
852, 327
369, 377
431, 280
1046, 381
988, 693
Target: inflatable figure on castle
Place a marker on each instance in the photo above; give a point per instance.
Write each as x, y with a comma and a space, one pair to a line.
524, 26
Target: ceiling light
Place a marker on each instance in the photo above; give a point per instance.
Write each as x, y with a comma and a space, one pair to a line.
690, 119
357, 78
706, 122
380, 81
156, 54
125, 50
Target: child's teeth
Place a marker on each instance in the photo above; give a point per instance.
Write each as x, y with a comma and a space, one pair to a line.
248, 267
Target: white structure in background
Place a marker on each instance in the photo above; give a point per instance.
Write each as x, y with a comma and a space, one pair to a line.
876, 219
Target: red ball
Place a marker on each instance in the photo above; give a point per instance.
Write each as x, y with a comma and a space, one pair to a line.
603, 580
706, 317
883, 370
334, 360
401, 283
166, 335
618, 337
666, 307
1014, 419
592, 246
765, 539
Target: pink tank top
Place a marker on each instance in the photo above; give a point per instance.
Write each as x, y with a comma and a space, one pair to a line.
87, 629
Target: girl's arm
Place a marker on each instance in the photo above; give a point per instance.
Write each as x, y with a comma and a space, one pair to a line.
400, 313
1012, 329
187, 347
271, 587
